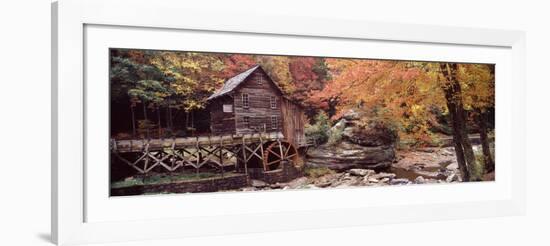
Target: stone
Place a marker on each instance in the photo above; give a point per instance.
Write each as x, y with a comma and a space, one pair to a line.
277, 185
453, 177
248, 189
400, 181
258, 183
347, 181
448, 152
435, 175
417, 166
310, 186
384, 176
384, 180
367, 132
428, 150
433, 181
372, 180
327, 180
458, 177
323, 184
450, 178
339, 126
344, 156
351, 115
342, 186
298, 183
452, 166
345, 176
370, 135
419, 180
360, 172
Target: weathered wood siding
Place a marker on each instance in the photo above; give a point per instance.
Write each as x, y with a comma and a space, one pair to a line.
290, 117
259, 110
221, 122
294, 120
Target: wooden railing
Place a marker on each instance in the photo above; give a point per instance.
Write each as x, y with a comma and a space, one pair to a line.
138, 145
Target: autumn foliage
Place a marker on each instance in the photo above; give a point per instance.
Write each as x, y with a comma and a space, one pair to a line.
408, 94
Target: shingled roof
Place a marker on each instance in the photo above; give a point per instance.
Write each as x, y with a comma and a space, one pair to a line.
233, 82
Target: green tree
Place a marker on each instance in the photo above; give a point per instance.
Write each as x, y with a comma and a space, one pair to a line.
320, 130
193, 77
151, 93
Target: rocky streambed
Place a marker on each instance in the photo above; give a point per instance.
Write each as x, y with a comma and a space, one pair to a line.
428, 163
365, 154
421, 166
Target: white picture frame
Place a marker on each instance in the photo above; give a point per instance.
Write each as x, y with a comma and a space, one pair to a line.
79, 216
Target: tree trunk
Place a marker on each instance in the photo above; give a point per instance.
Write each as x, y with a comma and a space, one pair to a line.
453, 96
457, 140
146, 120
193, 119
487, 157
170, 123
158, 117
186, 122
193, 123
466, 144
459, 149
133, 121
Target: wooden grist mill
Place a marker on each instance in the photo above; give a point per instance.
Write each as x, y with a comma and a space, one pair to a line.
254, 130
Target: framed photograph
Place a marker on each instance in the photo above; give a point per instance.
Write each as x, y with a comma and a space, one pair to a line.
206, 123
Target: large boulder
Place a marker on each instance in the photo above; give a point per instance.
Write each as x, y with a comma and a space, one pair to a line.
373, 133
369, 145
345, 155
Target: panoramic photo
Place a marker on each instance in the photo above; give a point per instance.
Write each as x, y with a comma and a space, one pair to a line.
195, 122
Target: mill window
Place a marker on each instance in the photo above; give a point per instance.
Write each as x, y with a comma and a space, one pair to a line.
273, 102
245, 100
274, 122
227, 108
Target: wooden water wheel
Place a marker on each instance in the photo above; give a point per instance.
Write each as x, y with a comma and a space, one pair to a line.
278, 151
